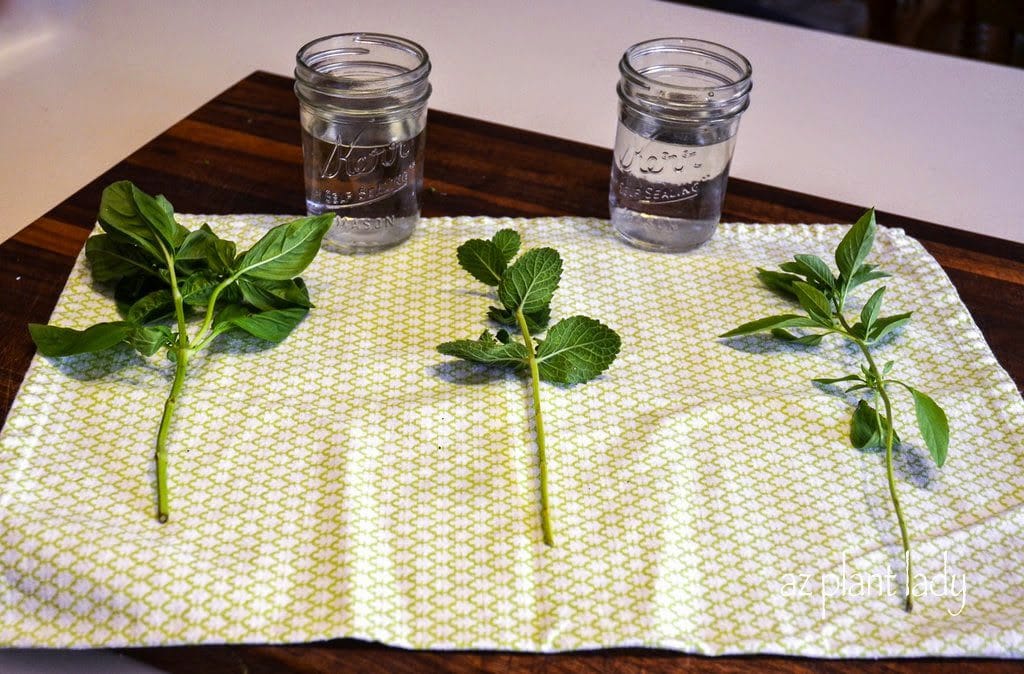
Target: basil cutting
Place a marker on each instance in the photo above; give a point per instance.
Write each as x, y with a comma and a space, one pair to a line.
167, 279
810, 282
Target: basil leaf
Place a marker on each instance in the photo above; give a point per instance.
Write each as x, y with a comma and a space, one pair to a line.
857, 330
814, 303
147, 340
771, 323
813, 268
273, 326
856, 245
483, 260
868, 428
195, 292
933, 424
131, 289
267, 295
867, 272
204, 249
156, 304
53, 341
827, 381
787, 336
128, 213
869, 313
884, 326
530, 282
285, 250
197, 288
111, 259
586, 346
778, 282
158, 214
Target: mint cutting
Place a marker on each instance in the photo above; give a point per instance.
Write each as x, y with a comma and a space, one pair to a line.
164, 275
574, 350
809, 281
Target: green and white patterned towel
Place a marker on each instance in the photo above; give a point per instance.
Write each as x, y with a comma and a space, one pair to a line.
354, 482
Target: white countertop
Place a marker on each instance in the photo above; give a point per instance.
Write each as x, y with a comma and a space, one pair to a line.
932, 137
922, 135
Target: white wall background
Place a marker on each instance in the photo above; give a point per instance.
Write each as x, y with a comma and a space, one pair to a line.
927, 136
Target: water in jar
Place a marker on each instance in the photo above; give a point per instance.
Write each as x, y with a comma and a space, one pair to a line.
369, 175
667, 189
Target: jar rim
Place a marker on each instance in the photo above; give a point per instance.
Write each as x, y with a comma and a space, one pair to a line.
306, 70
681, 45
685, 79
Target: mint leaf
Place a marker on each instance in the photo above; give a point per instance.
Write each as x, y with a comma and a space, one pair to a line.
486, 350
575, 350
54, 342
483, 260
587, 347
285, 251
507, 242
530, 282
535, 322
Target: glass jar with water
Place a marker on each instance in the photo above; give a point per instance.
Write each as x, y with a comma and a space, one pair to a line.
680, 102
363, 111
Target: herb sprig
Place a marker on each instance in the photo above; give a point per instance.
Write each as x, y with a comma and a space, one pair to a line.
163, 273
809, 280
574, 350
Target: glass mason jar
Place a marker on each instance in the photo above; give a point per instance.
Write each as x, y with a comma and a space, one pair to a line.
363, 111
680, 102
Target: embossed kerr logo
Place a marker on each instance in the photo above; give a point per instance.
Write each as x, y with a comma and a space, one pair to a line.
655, 162
357, 161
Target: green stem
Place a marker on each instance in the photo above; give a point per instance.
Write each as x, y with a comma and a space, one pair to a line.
890, 476
211, 305
895, 497
163, 510
179, 308
181, 366
545, 511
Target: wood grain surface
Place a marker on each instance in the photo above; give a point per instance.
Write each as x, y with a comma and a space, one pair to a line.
240, 153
